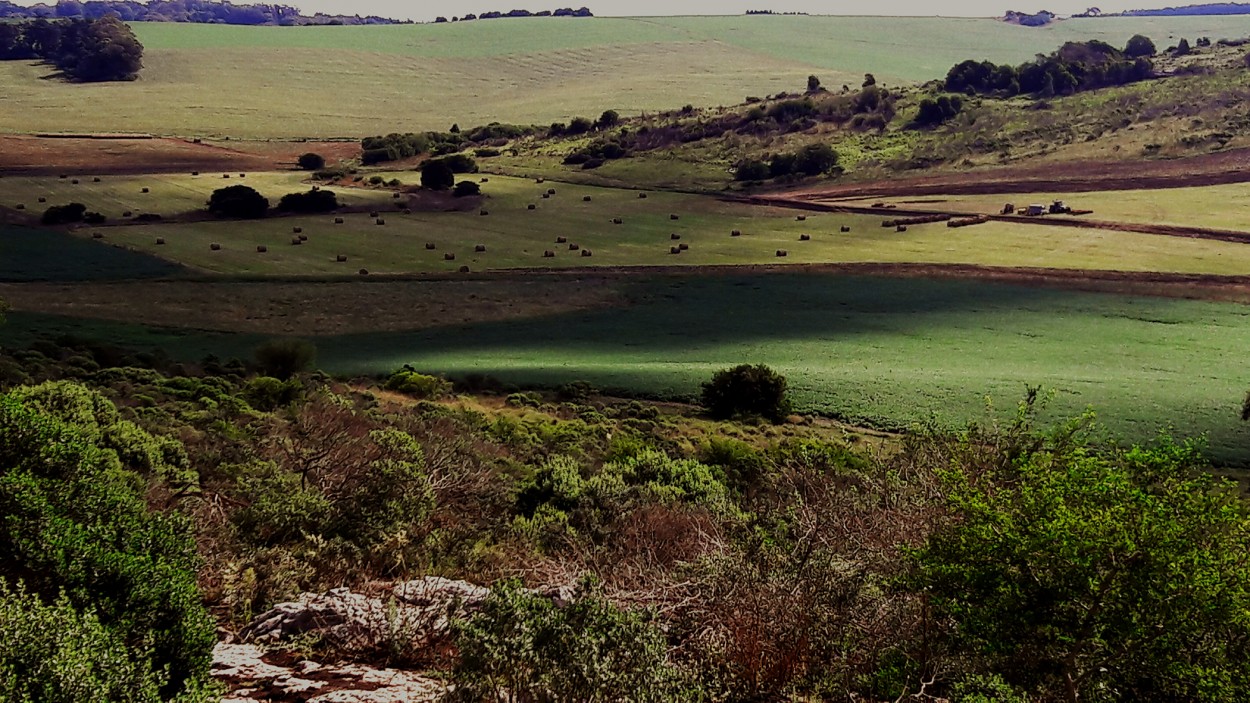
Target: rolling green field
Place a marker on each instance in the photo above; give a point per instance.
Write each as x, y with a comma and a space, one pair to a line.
169, 194
1217, 207
352, 81
516, 237
884, 351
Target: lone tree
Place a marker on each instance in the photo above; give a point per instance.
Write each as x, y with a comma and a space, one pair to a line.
609, 119
813, 84
1140, 46
437, 175
750, 391
869, 80
239, 202
815, 159
311, 161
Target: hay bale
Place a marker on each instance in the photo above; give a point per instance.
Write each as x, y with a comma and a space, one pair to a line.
538, 180
674, 250
160, 241
225, 175
338, 220
449, 256
74, 182
379, 221
43, 200
215, 246
845, 228
586, 198
901, 228
95, 180
341, 259
62, 176
574, 247
195, 173
364, 272
674, 217
407, 211
242, 175
674, 236
464, 269
683, 247
642, 196
736, 233
303, 237
805, 237
296, 241
261, 248
297, 230
484, 180
480, 249
551, 191
97, 235
531, 206
146, 190
21, 206
395, 196
586, 252
546, 196
801, 218
549, 254
782, 253
483, 213
373, 214
430, 246
562, 240
127, 213
888, 223
617, 221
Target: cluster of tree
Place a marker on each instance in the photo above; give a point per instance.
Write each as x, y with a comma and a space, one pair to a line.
440, 174
238, 202
811, 160
773, 12
562, 12
1025, 19
935, 111
393, 147
1214, 8
84, 50
198, 11
314, 200
1075, 67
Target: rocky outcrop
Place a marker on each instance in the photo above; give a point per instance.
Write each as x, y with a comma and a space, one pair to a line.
250, 675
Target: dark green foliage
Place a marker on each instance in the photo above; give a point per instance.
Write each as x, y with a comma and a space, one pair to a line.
815, 159
520, 646
1074, 67
88, 50
64, 214
266, 393
312, 162
813, 84
752, 170
238, 202
437, 175
1139, 46
417, 385
609, 119
936, 111
579, 125
1074, 572
315, 200
747, 390
78, 535
466, 189
790, 110
283, 358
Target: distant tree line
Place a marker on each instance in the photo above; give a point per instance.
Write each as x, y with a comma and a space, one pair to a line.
1214, 8
562, 12
1075, 67
85, 50
395, 146
197, 11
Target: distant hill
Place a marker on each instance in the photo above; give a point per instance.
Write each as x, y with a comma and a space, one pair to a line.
191, 11
1215, 8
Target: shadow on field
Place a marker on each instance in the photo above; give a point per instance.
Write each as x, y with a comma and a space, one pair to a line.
30, 254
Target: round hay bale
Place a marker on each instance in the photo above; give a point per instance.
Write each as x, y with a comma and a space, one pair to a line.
379, 221
464, 269
395, 196
805, 237
74, 182
261, 248
242, 175
586, 198
845, 228
215, 246
62, 176
617, 221
736, 233
483, 213
407, 211
95, 179
303, 237
901, 228
43, 200
801, 218
674, 250
782, 252
225, 175
341, 259
480, 249
195, 173
364, 272
484, 180
551, 191
160, 241
373, 214
146, 190
642, 196
127, 213
21, 206
674, 236
684, 247
429, 246
449, 256
297, 230
546, 196
586, 252
888, 223
97, 235
549, 254
574, 247
338, 220
296, 241
538, 180
562, 240
674, 217
531, 206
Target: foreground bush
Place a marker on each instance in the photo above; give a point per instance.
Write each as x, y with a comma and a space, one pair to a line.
111, 586
751, 391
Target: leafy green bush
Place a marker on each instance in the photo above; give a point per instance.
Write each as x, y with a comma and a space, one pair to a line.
465, 189
266, 393
521, 646
312, 162
745, 390
417, 385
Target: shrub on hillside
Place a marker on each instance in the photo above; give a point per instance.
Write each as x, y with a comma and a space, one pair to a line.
1140, 46
747, 391
316, 200
417, 385
466, 189
312, 162
936, 111
752, 170
239, 202
64, 214
437, 175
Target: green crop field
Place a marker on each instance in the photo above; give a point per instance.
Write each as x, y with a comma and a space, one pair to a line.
886, 351
168, 194
516, 237
1217, 207
352, 81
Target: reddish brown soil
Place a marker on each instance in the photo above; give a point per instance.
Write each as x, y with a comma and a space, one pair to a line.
29, 155
1231, 166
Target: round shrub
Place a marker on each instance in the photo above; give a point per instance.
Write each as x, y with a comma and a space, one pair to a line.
749, 391
311, 161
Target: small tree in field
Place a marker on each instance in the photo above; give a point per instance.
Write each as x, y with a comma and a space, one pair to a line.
754, 391
813, 84
437, 175
1140, 46
240, 202
312, 162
